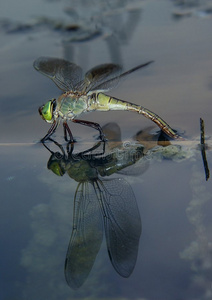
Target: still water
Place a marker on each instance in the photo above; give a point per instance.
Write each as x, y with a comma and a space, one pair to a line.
164, 190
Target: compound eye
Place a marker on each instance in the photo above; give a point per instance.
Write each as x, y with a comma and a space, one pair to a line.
46, 111
55, 166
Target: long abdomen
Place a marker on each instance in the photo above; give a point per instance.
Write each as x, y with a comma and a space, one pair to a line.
105, 103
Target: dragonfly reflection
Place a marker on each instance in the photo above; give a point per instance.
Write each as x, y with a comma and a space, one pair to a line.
99, 204
81, 96
109, 204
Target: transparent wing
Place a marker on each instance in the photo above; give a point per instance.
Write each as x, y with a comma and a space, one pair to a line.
64, 73
97, 76
112, 133
111, 82
122, 224
140, 167
86, 236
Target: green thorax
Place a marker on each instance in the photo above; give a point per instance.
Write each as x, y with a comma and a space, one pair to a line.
70, 106
80, 170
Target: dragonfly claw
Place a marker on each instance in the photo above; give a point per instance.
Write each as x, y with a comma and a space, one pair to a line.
103, 138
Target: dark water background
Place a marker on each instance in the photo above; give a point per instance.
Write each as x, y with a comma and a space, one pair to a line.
175, 202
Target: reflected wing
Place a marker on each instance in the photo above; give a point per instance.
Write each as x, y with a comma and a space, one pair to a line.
122, 224
136, 169
64, 73
112, 133
111, 82
97, 75
86, 236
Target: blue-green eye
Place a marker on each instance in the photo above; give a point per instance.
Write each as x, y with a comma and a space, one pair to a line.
46, 110
56, 168
56, 164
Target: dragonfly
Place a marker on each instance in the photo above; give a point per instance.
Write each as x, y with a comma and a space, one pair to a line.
100, 205
87, 95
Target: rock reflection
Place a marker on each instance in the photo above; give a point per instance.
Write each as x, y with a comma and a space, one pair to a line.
82, 21
199, 252
188, 8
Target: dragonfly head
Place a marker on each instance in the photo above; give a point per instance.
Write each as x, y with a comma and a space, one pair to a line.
47, 110
56, 164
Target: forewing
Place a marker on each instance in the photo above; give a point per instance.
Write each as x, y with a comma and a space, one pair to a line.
97, 75
122, 224
86, 236
111, 82
64, 73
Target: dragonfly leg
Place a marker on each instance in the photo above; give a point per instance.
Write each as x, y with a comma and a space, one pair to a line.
70, 148
57, 144
67, 129
51, 131
93, 125
89, 151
